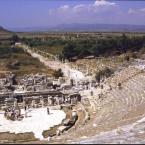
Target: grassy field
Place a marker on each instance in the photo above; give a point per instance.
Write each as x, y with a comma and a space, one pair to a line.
17, 61
53, 50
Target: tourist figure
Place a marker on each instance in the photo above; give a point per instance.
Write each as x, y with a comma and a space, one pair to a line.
25, 107
87, 87
48, 111
91, 93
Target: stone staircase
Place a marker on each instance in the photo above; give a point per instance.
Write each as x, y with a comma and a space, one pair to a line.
118, 107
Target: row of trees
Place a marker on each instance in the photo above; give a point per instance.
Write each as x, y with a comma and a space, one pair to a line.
40, 42
103, 47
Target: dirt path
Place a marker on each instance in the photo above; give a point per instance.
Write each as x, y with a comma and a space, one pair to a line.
55, 64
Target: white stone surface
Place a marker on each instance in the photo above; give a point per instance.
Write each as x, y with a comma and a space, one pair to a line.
72, 73
123, 134
37, 121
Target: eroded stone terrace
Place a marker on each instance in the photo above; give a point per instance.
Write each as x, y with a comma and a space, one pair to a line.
120, 111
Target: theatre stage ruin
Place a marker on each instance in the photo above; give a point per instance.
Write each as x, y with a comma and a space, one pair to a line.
34, 103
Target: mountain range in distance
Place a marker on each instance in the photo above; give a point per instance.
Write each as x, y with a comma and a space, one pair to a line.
3, 30
83, 28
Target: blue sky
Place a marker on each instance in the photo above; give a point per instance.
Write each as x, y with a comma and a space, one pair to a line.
35, 13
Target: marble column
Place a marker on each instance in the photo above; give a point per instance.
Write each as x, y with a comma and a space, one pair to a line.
24, 103
50, 102
42, 102
33, 103
15, 103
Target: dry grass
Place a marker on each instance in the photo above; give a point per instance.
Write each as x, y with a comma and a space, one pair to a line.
7, 137
27, 64
53, 50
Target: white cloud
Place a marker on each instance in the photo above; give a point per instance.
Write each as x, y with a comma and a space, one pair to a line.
59, 11
79, 8
103, 3
97, 6
104, 7
100, 11
65, 7
136, 11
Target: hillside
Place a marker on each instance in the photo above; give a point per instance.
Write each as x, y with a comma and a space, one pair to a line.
19, 62
4, 33
16, 60
3, 30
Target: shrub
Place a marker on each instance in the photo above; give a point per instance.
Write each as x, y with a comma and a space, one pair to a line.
119, 86
134, 55
14, 38
104, 73
127, 58
12, 66
58, 73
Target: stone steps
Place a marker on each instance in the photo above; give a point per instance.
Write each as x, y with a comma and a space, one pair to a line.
122, 101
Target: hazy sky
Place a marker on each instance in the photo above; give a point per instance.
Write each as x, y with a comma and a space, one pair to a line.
35, 13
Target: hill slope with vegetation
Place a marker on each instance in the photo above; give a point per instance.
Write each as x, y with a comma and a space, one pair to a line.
16, 60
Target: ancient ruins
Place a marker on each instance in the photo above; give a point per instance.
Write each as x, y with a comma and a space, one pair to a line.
36, 90
20, 96
75, 105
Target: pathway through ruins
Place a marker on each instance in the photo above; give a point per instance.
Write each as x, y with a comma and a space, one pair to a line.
56, 64
69, 72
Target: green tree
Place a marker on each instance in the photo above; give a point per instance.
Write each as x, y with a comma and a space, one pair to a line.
14, 38
58, 73
106, 72
69, 50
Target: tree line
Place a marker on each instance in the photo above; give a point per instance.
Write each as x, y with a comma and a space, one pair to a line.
103, 47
